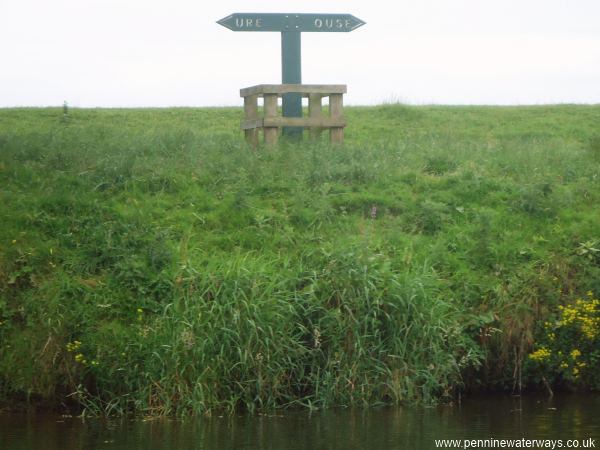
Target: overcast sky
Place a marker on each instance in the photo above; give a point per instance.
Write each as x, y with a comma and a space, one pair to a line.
114, 53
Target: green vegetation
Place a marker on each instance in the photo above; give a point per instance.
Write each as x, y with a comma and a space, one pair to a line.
570, 352
151, 263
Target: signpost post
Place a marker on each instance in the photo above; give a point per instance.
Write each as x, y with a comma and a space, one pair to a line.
291, 26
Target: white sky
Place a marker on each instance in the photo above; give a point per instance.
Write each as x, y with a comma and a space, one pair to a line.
173, 53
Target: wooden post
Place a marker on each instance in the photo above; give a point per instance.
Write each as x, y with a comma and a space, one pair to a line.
315, 110
270, 112
336, 111
251, 113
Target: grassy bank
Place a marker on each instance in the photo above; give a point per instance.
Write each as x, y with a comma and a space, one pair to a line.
151, 263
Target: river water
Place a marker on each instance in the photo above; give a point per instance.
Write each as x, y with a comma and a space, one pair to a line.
562, 420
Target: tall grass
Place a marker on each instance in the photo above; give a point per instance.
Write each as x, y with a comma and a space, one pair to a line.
151, 263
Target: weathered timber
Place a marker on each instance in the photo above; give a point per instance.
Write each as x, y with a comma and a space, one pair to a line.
251, 113
270, 131
304, 122
336, 111
271, 123
315, 111
304, 89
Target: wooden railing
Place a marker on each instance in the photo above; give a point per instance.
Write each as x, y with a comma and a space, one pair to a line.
271, 122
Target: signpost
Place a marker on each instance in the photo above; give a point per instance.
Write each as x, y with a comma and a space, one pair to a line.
290, 26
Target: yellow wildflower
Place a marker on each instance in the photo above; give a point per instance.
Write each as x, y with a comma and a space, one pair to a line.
590, 327
540, 354
575, 354
72, 346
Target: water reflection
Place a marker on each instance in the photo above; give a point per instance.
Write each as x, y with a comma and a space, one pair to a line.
564, 417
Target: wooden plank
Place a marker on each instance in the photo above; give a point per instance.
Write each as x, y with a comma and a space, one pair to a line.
250, 124
336, 105
270, 105
321, 122
270, 131
336, 110
271, 135
251, 107
315, 111
304, 89
336, 135
251, 113
252, 137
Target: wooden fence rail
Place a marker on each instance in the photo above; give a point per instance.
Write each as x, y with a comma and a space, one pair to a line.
271, 122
